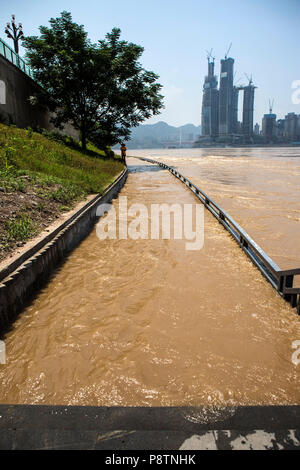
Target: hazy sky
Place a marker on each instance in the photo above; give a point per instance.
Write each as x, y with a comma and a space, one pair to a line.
176, 34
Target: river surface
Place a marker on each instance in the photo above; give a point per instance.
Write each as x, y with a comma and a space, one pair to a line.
150, 323
259, 187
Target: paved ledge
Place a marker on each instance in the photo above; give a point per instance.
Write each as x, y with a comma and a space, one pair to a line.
162, 428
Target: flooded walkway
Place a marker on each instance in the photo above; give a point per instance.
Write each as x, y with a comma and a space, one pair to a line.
146, 322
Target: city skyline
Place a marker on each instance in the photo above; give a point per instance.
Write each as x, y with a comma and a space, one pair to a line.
175, 38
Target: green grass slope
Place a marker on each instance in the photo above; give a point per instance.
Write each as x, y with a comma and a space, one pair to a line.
41, 176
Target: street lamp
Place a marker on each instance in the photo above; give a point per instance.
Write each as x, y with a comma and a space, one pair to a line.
14, 32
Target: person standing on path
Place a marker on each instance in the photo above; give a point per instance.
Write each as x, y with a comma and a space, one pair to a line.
123, 152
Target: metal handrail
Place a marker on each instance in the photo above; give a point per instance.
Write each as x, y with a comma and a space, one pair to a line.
10, 55
281, 280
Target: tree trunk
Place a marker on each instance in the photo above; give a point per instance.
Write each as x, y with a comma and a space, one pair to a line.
83, 139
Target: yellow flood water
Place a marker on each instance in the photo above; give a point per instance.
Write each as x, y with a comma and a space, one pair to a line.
146, 322
259, 187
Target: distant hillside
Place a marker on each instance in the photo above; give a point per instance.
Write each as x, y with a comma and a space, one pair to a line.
162, 135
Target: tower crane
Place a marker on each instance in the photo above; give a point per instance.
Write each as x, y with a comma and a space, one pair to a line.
249, 79
226, 54
210, 56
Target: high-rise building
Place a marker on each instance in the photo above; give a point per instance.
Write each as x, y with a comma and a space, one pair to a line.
239, 128
248, 110
210, 103
235, 110
292, 126
269, 126
256, 129
280, 126
227, 98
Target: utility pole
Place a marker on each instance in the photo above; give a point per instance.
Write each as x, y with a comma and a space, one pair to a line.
14, 32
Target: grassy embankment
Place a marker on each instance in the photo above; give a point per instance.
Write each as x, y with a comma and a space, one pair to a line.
40, 178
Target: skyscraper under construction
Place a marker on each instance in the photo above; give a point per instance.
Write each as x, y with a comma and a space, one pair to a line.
210, 103
228, 99
248, 109
220, 107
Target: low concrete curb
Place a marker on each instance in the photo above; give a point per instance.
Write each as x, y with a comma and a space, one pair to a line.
25, 275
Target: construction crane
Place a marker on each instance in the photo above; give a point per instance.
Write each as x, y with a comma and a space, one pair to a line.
239, 84
250, 80
236, 82
226, 54
271, 104
210, 56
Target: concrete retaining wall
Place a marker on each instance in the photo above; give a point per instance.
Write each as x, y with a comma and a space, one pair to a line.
28, 273
15, 90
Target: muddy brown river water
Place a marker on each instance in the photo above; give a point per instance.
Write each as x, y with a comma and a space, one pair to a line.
148, 323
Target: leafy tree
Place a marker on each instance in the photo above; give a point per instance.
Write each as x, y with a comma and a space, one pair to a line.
102, 89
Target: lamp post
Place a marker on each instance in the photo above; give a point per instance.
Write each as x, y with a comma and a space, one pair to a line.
14, 32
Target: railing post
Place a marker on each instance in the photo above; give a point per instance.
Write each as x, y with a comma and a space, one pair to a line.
243, 242
294, 300
280, 284
289, 280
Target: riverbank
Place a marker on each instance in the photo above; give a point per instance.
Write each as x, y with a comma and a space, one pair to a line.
43, 177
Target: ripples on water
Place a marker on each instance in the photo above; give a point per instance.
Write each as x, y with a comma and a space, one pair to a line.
149, 323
